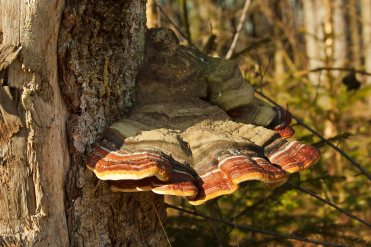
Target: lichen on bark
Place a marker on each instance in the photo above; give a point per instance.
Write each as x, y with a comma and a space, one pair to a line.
101, 47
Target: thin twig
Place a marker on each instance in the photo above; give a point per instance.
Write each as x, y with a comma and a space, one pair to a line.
253, 229
253, 45
235, 226
344, 154
211, 206
299, 121
339, 137
174, 25
239, 28
159, 219
297, 187
186, 20
209, 46
362, 72
253, 206
258, 203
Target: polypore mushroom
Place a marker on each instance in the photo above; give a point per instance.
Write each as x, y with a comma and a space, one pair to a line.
197, 130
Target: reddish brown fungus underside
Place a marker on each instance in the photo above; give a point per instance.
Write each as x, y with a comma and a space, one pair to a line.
197, 130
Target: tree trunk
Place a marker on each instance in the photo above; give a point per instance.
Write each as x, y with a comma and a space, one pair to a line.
314, 19
325, 37
47, 196
366, 37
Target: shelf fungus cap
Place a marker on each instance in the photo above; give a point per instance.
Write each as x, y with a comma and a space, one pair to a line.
225, 175
180, 138
115, 165
223, 155
292, 156
282, 122
286, 132
181, 183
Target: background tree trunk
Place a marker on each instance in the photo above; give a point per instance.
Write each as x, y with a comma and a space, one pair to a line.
366, 36
47, 197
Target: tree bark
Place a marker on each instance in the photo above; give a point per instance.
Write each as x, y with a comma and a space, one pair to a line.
366, 37
325, 37
48, 121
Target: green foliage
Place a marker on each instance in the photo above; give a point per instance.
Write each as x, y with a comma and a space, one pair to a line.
271, 53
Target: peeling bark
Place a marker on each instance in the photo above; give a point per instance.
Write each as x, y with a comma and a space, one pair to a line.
33, 147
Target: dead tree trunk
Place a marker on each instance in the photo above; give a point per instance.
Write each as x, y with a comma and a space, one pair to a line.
49, 117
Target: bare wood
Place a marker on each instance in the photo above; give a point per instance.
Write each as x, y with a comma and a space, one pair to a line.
10, 22
8, 54
33, 154
10, 124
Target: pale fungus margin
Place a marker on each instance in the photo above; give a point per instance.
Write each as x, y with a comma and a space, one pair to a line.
197, 130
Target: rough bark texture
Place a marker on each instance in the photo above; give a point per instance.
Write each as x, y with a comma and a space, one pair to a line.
101, 47
47, 196
33, 149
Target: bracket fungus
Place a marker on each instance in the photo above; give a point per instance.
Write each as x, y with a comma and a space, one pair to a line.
197, 130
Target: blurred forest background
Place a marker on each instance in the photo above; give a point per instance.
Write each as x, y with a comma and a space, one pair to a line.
313, 57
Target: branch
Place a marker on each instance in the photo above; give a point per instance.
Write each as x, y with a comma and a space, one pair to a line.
238, 31
259, 202
344, 154
174, 25
362, 72
255, 205
253, 229
253, 45
186, 20
339, 137
159, 219
297, 187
